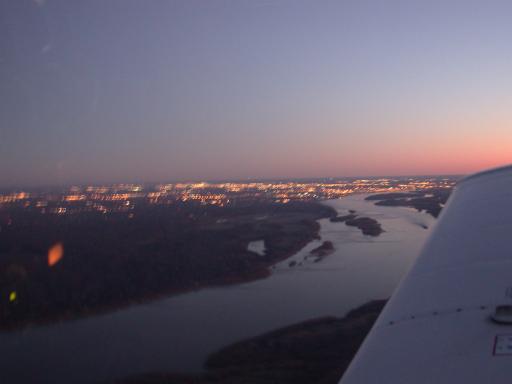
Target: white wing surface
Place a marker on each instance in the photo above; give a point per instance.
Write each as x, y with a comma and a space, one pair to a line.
438, 327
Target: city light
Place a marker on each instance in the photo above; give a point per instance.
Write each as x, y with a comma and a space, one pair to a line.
125, 197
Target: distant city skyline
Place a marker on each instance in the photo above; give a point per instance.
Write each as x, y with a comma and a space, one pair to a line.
125, 196
157, 91
66, 185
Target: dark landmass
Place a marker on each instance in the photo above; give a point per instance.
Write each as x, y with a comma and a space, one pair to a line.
113, 260
323, 250
312, 352
430, 201
393, 195
342, 219
367, 225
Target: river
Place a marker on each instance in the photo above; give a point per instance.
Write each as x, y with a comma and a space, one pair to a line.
177, 333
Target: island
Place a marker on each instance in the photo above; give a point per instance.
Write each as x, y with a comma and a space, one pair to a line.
322, 251
316, 351
367, 225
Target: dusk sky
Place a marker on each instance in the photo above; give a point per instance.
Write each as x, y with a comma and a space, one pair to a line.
100, 91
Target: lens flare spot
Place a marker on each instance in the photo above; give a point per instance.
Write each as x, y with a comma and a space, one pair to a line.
12, 296
55, 254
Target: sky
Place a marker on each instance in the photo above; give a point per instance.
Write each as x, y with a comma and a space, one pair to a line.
112, 91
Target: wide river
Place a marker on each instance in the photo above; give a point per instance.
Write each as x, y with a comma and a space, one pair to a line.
178, 333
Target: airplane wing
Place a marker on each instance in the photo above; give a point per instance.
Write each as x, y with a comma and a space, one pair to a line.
450, 319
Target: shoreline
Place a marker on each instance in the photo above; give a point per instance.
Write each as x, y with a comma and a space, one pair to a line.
317, 350
261, 269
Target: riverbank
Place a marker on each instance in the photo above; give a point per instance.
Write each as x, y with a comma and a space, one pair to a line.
431, 201
313, 351
112, 263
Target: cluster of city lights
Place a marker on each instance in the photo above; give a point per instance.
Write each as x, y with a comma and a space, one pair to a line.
124, 197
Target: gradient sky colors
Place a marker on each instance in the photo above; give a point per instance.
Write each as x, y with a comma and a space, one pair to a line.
100, 91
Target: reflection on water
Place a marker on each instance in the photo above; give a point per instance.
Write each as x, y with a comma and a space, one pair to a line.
176, 334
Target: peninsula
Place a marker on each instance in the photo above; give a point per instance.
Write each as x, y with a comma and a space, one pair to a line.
431, 201
316, 351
